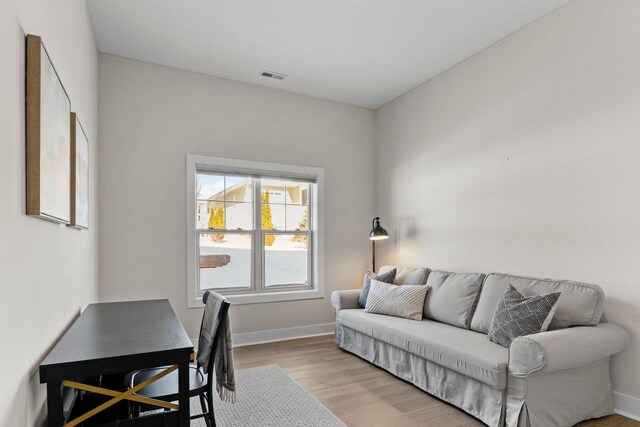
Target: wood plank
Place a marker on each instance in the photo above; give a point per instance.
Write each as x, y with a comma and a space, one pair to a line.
32, 99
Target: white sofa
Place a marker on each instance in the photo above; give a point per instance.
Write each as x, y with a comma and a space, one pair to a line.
555, 378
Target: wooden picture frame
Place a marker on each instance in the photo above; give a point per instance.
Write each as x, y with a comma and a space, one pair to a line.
79, 197
48, 140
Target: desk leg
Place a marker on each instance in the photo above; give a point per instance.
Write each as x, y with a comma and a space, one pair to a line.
55, 418
183, 390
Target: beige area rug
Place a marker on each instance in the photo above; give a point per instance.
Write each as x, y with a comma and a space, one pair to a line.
267, 397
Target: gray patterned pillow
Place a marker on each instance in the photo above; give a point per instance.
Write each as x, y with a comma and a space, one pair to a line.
387, 277
517, 315
401, 301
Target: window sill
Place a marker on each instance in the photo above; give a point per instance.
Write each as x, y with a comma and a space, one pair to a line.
258, 298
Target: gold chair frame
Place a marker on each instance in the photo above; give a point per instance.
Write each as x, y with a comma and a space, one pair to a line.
118, 396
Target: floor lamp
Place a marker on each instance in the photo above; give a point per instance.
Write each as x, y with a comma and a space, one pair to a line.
377, 233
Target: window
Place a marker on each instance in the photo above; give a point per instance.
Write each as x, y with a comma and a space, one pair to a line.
254, 230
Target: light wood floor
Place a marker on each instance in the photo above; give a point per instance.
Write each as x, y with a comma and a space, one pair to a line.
361, 394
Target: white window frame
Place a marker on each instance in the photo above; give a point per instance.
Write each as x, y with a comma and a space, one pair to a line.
272, 170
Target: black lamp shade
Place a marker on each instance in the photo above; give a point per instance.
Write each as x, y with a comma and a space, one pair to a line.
377, 232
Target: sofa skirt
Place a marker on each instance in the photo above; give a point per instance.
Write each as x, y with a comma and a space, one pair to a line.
560, 398
478, 399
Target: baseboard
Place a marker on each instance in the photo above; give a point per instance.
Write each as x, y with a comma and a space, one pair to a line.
627, 406
272, 335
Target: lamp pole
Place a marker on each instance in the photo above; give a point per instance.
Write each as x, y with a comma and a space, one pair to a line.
373, 254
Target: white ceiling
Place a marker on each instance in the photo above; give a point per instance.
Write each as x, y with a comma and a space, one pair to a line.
361, 52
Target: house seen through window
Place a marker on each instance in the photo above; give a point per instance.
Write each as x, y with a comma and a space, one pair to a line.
253, 233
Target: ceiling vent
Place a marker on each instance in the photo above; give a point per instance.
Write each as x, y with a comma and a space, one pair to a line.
272, 75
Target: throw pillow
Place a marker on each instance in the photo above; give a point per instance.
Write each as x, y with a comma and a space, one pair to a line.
401, 301
517, 315
387, 277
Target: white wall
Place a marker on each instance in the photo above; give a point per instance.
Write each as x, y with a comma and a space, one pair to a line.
48, 272
152, 116
525, 159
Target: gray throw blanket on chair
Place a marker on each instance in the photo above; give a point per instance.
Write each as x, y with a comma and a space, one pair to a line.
223, 353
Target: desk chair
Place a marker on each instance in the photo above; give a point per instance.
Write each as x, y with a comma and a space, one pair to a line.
200, 384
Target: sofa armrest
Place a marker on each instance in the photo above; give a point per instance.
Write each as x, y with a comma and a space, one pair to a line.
346, 299
565, 348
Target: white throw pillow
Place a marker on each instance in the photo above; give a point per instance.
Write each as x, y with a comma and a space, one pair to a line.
401, 301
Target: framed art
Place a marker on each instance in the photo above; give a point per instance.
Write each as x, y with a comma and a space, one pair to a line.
48, 150
79, 175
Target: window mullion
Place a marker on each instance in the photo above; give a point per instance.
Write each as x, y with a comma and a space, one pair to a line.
258, 250
310, 239
224, 202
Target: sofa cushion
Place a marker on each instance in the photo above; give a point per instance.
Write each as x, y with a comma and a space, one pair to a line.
580, 304
452, 296
407, 275
401, 301
460, 350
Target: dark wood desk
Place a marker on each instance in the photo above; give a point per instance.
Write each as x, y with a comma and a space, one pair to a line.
114, 338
